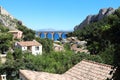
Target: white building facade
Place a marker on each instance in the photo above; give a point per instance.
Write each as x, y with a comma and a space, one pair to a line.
3, 77
31, 46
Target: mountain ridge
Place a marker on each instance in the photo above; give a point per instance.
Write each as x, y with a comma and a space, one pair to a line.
97, 17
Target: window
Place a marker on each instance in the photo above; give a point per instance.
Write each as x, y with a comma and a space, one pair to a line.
3, 77
29, 48
37, 48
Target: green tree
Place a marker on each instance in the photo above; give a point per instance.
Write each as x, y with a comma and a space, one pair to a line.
5, 41
100, 34
9, 56
17, 54
28, 34
3, 28
108, 54
67, 46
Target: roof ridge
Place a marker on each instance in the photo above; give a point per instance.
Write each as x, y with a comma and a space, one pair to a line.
106, 65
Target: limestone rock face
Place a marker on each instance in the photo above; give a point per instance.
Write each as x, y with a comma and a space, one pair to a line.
93, 18
7, 19
4, 12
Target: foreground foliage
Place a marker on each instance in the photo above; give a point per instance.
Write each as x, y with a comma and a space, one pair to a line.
28, 34
103, 39
5, 39
54, 62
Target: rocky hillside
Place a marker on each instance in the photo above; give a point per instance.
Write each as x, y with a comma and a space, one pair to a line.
93, 18
7, 19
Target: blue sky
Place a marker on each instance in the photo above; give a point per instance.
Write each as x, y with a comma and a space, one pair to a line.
55, 14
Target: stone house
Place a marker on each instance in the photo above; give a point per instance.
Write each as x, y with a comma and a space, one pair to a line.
57, 47
16, 34
31, 46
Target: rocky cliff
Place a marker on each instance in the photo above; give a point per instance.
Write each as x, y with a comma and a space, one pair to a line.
93, 18
7, 19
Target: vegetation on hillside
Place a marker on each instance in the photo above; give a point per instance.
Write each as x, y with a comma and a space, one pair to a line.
5, 39
3, 28
103, 38
28, 34
54, 62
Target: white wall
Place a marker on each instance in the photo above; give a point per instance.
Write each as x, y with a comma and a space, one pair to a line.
24, 48
20, 47
35, 52
3, 77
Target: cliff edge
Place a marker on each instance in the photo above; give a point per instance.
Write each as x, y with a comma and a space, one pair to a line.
7, 19
94, 18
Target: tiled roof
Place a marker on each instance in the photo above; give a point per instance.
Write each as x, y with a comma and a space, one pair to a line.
89, 70
34, 75
15, 31
29, 43
85, 70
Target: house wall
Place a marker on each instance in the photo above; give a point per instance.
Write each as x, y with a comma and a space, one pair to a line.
14, 34
35, 52
3, 77
19, 34
33, 49
20, 47
58, 48
24, 48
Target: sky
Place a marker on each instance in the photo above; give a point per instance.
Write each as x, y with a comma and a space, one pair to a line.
55, 14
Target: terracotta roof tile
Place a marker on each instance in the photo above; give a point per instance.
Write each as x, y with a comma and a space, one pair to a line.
29, 43
15, 31
85, 70
34, 75
89, 70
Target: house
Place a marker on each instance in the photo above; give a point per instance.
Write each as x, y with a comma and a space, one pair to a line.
78, 48
64, 41
82, 43
58, 47
31, 46
16, 34
3, 58
84, 70
3, 77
